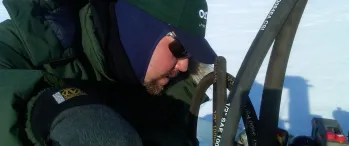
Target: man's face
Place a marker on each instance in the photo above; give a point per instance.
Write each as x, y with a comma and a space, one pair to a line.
163, 66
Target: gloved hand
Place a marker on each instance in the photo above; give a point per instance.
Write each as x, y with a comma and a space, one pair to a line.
43, 108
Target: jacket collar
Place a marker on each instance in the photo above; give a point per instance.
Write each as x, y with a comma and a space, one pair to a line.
101, 43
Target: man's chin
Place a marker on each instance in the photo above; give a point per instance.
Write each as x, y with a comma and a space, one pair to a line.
154, 89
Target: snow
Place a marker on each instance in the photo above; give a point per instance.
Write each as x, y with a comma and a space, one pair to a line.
317, 74
3, 13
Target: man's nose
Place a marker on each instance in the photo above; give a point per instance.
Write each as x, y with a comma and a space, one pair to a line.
182, 64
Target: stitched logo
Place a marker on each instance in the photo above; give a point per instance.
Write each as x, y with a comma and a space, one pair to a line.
67, 93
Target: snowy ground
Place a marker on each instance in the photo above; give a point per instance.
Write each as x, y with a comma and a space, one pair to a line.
317, 79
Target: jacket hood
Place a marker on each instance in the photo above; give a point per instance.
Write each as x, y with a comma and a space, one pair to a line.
53, 37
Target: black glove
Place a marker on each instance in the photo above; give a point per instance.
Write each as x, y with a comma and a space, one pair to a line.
50, 102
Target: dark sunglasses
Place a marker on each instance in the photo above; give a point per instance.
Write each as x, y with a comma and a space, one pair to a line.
177, 48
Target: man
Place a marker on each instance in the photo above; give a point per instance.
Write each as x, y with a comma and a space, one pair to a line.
100, 72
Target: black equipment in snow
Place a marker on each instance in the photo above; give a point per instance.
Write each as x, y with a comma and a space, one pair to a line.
280, 28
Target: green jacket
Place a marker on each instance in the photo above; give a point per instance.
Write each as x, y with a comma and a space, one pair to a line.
31, 52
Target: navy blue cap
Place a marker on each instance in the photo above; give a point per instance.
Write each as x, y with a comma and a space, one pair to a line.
140, 33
